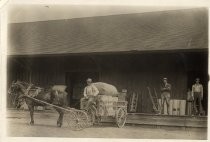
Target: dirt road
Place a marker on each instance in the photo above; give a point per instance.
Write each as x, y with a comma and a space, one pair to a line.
45, 126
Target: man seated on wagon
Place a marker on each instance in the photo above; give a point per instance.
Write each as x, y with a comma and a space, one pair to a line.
90, 93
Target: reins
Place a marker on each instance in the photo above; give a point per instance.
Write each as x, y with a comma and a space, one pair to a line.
25, 93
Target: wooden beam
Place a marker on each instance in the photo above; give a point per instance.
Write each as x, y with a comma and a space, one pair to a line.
163, 120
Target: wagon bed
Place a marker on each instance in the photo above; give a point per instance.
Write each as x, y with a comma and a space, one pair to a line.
116, 109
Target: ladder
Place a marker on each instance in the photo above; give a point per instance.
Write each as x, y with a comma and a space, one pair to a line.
154, 100
133, 102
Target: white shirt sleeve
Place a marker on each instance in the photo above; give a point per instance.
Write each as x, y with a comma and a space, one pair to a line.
85, 94
95, 90
201, 90
193, 90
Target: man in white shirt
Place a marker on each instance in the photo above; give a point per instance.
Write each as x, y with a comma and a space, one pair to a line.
90, 92
197, 92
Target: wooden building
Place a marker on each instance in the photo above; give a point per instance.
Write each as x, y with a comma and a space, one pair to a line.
130, 51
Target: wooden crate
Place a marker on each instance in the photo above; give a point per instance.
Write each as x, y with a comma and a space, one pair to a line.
176, 107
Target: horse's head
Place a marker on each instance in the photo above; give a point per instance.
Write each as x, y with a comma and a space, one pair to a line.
16, 92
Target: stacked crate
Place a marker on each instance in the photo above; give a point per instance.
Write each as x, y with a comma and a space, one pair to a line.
176, 107
106, 105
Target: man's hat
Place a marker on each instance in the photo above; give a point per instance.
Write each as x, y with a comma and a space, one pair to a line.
89, 80
165, 78
197, 79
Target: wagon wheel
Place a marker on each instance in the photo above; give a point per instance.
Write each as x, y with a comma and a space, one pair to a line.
91, 112
121, 117
77, 120
83, 119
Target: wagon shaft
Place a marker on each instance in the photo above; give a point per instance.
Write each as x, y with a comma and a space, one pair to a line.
77, 119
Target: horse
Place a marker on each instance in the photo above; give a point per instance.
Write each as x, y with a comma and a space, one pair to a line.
19, 91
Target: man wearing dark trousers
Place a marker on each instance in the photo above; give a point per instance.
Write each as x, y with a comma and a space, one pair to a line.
197, 92
165, 94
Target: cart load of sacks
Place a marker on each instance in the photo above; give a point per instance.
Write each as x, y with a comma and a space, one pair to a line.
107, 99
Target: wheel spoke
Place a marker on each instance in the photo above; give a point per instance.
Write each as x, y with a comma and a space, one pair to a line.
77, 120
121, 117
91, 112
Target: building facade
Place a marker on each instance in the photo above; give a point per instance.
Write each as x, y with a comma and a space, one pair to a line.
131, 51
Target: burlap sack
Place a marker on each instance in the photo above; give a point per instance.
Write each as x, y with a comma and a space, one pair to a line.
61, 88
105, 98
106, 105
106, 89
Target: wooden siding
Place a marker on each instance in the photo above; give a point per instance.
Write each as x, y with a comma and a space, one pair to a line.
133, 72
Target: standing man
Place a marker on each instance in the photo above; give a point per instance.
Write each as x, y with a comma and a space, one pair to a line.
165, 94
90, 92
197, 92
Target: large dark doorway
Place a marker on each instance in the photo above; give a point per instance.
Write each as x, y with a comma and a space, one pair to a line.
197, 67
76, 82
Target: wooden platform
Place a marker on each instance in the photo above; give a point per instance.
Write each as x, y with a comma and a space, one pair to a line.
164, 120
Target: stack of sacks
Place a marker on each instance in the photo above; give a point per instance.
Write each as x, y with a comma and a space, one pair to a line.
106, 105
107, 96
102, 100
106, 89
60, 88
112, 106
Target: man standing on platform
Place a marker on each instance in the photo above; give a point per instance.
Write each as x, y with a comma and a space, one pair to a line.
165, 95
197, 92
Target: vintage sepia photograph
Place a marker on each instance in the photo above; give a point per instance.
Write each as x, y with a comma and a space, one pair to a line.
107, 71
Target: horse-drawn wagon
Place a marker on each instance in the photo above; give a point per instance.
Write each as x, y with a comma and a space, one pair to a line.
106, 105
